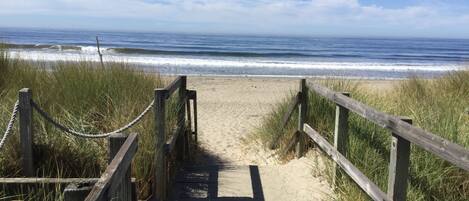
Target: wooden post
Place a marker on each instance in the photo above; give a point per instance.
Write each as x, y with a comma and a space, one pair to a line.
302, 104
124, 189
340, 135
99, 52
188, 111
399, 166
194, 102
160, 158
183, 146
189, 135
26, 132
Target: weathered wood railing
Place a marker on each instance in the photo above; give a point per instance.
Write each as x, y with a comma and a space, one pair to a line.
402, 133
116, 181
175, 148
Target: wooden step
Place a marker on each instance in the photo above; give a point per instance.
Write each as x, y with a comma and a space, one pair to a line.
224, 183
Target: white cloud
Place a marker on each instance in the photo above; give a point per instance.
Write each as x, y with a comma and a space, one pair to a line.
276, 16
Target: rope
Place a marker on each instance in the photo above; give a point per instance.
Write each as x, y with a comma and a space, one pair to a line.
10, 124
90, 135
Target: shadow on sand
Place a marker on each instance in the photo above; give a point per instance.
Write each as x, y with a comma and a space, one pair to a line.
199, 180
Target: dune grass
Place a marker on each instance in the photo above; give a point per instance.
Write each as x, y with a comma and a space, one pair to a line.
87, 98
439, 106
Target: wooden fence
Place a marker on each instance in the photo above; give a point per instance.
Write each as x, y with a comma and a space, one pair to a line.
175, 148
116, 182
402, 133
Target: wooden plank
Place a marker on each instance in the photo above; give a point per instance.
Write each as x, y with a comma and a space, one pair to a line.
173, 86
26, 132
303, 101
291, 108
29, 180
160, 158
183, 149
124, 190
428, 141
365, 184
7, 181
188, 109
399, 166
116, 170
340, 136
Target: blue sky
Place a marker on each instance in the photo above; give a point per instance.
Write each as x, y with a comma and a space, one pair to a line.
399, 18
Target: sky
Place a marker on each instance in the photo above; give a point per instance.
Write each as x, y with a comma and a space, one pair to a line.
390, 18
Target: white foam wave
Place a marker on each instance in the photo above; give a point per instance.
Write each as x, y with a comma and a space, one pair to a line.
90, 54
92, 49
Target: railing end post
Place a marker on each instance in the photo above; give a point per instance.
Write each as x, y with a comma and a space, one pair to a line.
302, 104
26, 131
159, 184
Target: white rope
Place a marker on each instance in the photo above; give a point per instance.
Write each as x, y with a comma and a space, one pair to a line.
90, 135
10, 124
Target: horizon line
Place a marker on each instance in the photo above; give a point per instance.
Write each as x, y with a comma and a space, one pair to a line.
236, 34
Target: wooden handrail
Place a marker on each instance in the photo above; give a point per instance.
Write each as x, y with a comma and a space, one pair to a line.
443, 148
174, 85
177, 143
366, 184
115, 170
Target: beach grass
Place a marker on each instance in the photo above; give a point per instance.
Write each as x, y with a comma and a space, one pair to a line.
437, 105
88, 98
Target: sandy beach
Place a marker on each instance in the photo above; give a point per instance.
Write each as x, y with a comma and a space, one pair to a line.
230, 108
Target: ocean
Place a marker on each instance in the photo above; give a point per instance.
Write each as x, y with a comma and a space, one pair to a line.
236, 55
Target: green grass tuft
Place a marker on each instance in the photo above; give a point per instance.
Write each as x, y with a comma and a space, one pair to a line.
436, 105
85, 97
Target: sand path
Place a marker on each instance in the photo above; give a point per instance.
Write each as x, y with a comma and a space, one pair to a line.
229, 111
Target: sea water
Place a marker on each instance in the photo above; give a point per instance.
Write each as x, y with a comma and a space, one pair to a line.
234, 55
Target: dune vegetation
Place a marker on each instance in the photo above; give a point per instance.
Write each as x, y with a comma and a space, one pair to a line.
88, 98
437, 105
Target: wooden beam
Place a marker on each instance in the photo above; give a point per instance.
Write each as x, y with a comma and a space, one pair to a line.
449, 151
181, 118
124, 189
173, 86
115, 171
194, 99
365, 184
399, 166
160, 189
26, 132
19, 181
99, 52
303, 105
340, 136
